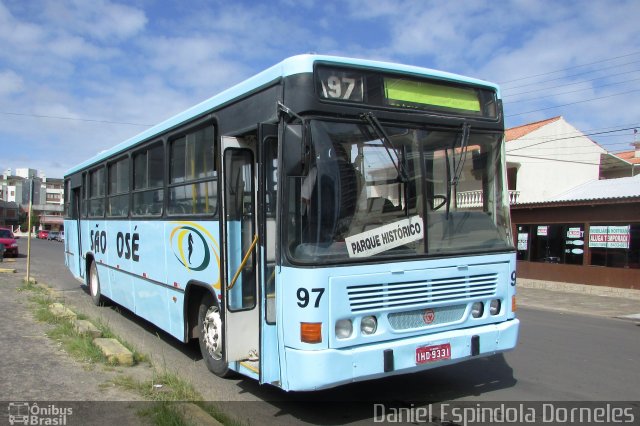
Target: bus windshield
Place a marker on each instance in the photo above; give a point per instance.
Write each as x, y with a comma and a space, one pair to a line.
371, 190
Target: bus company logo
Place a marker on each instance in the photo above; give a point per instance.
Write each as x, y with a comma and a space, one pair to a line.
193, 246
24, 413
428, 316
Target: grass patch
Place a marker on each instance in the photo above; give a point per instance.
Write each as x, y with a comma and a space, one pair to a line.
164, 413
164, 386
217, 414
79, 346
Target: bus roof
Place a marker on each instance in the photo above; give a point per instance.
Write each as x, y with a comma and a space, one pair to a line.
290, 66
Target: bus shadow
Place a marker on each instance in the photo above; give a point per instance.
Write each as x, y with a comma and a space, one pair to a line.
357, 401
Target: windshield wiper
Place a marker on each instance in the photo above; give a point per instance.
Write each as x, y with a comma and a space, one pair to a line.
372, 120
452, 181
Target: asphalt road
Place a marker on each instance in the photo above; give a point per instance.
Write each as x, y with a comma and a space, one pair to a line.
560, 357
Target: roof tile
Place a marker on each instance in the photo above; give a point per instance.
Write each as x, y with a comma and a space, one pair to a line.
520, 131
628, 156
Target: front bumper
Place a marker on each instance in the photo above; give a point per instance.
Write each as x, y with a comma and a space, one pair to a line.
8, 251
312, 370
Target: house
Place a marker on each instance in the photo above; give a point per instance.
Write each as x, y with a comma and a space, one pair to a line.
622, 164
549, 157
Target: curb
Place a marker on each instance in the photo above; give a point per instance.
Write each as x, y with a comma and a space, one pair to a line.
593, 290
114, 351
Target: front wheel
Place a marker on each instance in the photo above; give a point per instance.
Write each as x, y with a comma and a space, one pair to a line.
210, 326
94, 285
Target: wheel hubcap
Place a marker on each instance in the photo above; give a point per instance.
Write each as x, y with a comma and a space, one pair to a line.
212, 330
93, 281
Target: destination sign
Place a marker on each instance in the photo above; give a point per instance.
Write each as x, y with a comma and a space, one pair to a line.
385, 237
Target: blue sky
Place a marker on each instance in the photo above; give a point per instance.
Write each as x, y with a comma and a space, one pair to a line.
77, 76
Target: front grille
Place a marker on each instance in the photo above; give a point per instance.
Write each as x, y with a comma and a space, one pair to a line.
406, 294
415, 319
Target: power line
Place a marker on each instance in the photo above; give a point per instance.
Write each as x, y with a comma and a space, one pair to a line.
555, 159
571, 137
581, 133
567, 84
74, 119
573, 91
573, 75
569, 68
573, 103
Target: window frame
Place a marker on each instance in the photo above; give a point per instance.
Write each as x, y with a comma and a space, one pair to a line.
118, 194
170, 185
135, 191
90, 197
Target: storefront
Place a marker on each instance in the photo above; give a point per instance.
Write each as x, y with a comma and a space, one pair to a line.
595, 242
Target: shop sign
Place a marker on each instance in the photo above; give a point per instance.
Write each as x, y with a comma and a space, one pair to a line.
523, 241
609, 237
574, 233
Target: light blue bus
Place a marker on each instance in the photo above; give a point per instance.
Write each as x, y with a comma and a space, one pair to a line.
327, 221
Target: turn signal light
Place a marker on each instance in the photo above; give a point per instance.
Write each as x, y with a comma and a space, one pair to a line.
311, 332
513, 304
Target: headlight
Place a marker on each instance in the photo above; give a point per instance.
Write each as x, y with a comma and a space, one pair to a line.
494, 308
477, 309
344, 328
368, 325
14, 245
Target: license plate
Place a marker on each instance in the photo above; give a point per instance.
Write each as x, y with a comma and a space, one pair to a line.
433, 353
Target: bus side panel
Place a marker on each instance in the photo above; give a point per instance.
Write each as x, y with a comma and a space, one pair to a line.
191, 253
176, 313
147, 252
119, 255
95, 242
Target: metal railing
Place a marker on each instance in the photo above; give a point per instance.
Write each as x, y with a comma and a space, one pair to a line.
468, 199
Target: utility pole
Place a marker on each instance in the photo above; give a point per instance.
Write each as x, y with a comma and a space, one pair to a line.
29, 232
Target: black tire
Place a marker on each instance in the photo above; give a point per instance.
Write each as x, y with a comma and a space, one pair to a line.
210, 327
93, 282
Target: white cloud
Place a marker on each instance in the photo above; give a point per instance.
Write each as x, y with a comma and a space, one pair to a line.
10, 83
98, 19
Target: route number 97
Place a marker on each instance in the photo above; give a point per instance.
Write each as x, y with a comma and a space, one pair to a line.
304, 297
341, 85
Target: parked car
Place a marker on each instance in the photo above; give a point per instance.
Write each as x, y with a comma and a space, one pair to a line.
53, 235
9, 242
60, 237
42, 234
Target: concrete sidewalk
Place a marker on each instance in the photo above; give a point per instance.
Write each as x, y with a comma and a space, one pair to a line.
578, 298
35, 368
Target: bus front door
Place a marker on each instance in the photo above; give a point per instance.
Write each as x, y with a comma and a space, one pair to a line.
241, 312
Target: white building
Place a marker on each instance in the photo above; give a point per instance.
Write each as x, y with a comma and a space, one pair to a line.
548, 158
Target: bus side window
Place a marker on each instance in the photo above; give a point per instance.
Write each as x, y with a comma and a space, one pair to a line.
193, 175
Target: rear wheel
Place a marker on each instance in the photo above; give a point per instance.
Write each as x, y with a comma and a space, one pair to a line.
210, 326
94, 285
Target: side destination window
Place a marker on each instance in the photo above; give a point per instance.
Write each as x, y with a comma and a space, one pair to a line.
95, 201
148, 181
119, 188
193, 174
